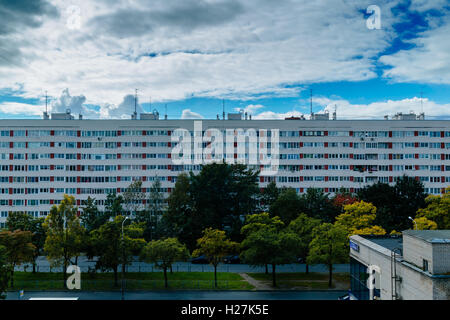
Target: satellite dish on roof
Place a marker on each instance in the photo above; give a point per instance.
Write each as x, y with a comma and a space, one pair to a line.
155, 112
68, 111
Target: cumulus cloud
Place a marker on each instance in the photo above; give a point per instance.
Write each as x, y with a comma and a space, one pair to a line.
251, 108
270, 115
377, 110
188, 114
16, 108
124, 110
68, 102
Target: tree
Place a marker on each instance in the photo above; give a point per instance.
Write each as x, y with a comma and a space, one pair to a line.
328, 246
395, 203
25, 222
163, 253
113, 205
287, 206
19, 249
318, 205
437, 210
268, 196
425, 224
65, 235
303, 227
154, 210
270, 245
214, 245
4, 273
256, 222
358, 218
343, 198
91, 217
133, 197
109, 248
179, 216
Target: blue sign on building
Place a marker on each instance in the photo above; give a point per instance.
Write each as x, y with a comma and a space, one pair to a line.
354, 246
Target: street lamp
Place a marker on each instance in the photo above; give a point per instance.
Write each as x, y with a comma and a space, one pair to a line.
415, 223
123, 260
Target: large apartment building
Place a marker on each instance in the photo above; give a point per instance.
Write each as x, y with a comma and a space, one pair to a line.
41, 160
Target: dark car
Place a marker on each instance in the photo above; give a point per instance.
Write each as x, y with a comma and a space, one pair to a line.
200, 260
232, 259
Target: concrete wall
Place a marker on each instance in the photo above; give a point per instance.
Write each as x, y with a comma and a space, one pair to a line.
415, 250
441, 258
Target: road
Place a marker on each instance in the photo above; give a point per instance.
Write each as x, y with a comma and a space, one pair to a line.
186, 295
84, 264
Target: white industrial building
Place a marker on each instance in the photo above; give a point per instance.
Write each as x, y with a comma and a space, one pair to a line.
414, 266
41, 160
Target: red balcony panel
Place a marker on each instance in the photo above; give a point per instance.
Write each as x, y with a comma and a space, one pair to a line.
326, 190
51, 201
169, 167
52, 155
78, 179
442, 134
52, 132
79, 145
302, 190
442, 156
261, 179
11, 156
326, 155
351, 133
52, 179
442, 168
442, 145
11, 133
11, 167
326, 144
351, 144
119, 133
11, 145
118, 189
118, 144
144, 133
416, 156
416, 144
10, 179
351, 178
144, 144
169, 155
118, 180
78, 167
390, 156
416, 133
78, 156
390, 134
118, 167
390, 167
118, 156
78, 191
391, 179
78, 133
52, 190
52, 144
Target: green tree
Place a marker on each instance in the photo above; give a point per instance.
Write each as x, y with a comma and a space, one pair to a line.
215, 245
4, 273
65, 235
91, 217
287, 206
133, 197
113, 205
19, 249
328, 246
268, 196
425, 224
163, 253
358, 218
303, 227
318, 205
270, 245
154, 211
437, 210
109, 248
25, 222
179, 216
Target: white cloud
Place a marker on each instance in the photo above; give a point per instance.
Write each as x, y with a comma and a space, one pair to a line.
188, 114
255, 48
377, 110
270, 115
251, 108
15, 108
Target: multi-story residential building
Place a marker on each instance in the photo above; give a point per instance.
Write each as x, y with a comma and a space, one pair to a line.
41, 160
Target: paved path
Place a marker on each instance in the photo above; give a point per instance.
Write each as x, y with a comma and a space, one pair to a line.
256, 283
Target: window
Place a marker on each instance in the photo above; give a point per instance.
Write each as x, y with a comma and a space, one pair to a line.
425, 265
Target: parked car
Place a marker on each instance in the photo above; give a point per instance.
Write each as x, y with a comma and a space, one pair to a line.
200, 260
233, 259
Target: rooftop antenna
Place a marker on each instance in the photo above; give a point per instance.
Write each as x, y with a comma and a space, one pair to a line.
421, 101
46, 97
223, 109
310, 98
165, 108
135, 100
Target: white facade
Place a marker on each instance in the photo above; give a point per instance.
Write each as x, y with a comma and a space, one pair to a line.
40, 160
420, 269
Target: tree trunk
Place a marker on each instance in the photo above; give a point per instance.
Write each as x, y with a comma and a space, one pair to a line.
273, 276
12, 277
307, 268
171, 271
34, 267
165, 277
116, 284
65, 274
215, 276
330, 268
267, 269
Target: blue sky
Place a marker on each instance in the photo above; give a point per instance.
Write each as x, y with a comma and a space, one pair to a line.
259, 56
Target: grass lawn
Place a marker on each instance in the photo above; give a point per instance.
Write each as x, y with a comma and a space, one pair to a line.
305, 281
134, 281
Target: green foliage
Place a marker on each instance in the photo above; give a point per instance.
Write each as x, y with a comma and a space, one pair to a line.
437, 210
19, 249
4, 272
287, 206
425, 224
303, 227
153, 212
91, 217
318, 205
269, 244
163, 253
358, 218
395, 203
133, 197
109, 247
215, 246
65, 235
258, 221
25, 222
328, 246
268, 196
113, 205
